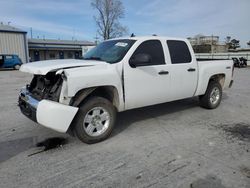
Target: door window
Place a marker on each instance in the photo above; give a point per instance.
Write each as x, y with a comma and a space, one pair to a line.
152, 48
179, 52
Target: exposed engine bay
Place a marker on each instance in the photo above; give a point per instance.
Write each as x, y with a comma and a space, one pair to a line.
46, 86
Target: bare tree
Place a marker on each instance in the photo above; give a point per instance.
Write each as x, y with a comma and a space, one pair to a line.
109, 13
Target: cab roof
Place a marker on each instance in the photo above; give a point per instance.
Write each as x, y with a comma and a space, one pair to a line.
151, 37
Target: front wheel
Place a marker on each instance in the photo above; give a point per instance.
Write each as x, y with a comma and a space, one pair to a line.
95, 120
212, 97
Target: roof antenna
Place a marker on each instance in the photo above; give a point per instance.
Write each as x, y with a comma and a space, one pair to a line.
132, 35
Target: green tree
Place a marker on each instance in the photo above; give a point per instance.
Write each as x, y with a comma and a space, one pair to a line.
234, 44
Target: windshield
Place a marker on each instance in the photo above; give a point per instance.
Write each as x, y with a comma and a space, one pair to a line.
110, 51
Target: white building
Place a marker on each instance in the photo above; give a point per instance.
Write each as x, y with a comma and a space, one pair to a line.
207, 44
203, 40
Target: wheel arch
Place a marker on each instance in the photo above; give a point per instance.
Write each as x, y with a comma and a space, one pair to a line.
109, 92
220, 78
203, 84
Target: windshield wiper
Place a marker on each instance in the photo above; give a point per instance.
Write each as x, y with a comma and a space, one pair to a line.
93, 58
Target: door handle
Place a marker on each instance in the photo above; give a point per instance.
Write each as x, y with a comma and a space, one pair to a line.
191, 70
163, 72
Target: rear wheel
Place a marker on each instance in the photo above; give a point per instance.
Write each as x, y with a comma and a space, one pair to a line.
212, 97
95, 120
17, 67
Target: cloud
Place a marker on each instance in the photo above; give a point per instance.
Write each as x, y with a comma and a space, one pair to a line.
181, 18
189, 17
51, 7
47, 16
46, 26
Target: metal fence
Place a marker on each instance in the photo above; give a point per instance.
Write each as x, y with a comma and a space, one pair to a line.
228, 55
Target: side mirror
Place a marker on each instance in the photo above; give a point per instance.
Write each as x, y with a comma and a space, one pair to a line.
140, 60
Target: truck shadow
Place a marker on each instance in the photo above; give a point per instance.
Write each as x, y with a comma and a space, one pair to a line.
127, 118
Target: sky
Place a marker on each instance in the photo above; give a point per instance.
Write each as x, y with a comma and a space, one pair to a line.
67, 19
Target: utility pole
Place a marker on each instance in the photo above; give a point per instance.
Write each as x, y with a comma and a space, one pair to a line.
96, 39
212, 44
31, 34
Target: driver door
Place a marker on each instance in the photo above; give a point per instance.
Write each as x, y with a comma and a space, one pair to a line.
147, 84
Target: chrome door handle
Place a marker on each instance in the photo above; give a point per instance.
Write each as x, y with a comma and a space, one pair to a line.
163, 72
191, 70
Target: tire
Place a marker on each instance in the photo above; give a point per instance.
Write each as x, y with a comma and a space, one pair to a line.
212, 97
88, 124
17, 67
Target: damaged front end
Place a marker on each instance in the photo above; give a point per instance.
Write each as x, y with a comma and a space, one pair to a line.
46, 86
41, 87
40, 102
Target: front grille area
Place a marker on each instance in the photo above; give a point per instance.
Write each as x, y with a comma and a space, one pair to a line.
46, 86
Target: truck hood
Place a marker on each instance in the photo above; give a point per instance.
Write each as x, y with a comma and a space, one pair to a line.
43, 67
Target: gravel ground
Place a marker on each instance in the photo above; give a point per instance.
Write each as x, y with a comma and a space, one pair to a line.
172, 145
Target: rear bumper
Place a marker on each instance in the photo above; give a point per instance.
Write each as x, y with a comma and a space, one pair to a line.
48, 113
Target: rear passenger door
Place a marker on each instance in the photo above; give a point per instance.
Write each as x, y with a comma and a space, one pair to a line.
183, 69
148, 84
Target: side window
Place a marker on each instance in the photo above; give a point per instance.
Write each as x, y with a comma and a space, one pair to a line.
8, 57
152, 48
179, 52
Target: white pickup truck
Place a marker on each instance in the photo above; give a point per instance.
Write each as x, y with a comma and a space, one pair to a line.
117, 75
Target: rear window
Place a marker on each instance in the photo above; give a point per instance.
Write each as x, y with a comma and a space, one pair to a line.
179, 52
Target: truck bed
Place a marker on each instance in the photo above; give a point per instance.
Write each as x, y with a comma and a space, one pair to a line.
207, 59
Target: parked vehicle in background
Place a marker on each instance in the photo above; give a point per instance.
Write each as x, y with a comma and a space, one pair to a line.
10, 61
118, 75
236, 62
241, 62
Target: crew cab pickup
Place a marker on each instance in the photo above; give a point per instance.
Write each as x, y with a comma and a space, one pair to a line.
85, 95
